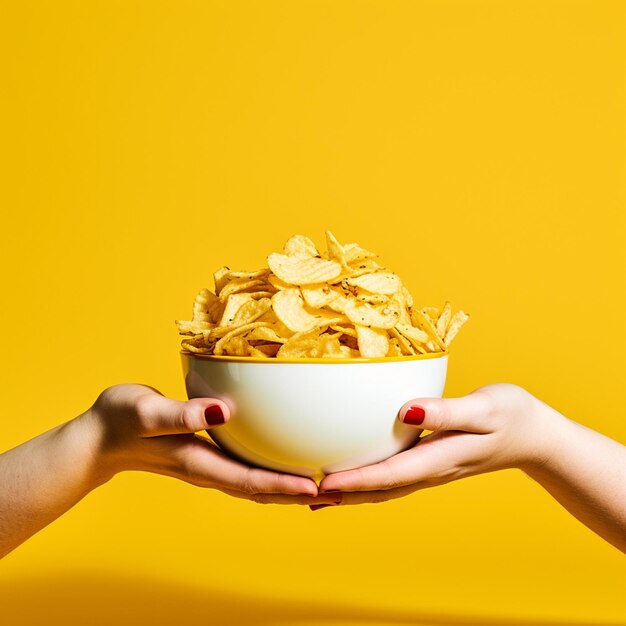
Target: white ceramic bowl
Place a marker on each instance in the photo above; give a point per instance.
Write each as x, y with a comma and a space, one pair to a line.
317, 416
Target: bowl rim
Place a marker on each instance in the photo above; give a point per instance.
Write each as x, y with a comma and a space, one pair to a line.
327, 361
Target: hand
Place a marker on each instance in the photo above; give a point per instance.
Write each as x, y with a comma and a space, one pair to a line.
495, 427
143, 430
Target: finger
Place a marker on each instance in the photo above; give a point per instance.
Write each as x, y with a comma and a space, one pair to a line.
375, 497
201, 463
277, 498
158, 415
470, 413
437, 459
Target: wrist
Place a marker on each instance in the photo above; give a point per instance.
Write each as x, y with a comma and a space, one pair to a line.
90, 432
547, 430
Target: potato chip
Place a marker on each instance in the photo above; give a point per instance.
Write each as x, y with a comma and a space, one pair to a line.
220, 278
349, 353
301, 247
394, 348
311, 345
301, 345
400, 299
257, 295
189, 327
206, 307
444, 320
197, 345
277, 283
290, 310
329, 347
344, 330
318, 295
249, 275
236, 346
377, 316
417, 337
265, 333
354, 253
404, 344
335, 250
233, 304
432, 312
266, 350
384, 283
351, 272
241, 330
342, 304
238, 285
371, 298
424, 322
373, 342
458, 319
302, 271
251, 310
406, 296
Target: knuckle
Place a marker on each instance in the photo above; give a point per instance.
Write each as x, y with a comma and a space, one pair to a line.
188, 421
142, 409
143, 406
439, 417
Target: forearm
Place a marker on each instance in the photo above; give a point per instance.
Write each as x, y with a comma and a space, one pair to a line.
46, 476
586, 472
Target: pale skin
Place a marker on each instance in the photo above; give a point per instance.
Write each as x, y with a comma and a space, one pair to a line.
498, 427
133, 427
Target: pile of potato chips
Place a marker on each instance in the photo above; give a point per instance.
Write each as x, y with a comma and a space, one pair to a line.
307, 305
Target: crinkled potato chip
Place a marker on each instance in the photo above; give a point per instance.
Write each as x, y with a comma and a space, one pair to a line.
266, 333
376, 316
406, 347
241, 330
459, 318
239, 285
233, 304
425, 323
289, 308
341, 304
318, 295
189, 327
301, 247
355, 253
251, 310
220, 278
298, 271
336, 251
373, 342
384, 283
444, 320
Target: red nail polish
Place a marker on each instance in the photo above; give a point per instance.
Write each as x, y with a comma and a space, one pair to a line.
316, 507
214, 415
414, 416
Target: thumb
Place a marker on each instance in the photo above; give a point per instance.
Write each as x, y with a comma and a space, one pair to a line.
159, 415
468, 413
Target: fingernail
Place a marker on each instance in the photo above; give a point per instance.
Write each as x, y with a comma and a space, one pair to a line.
214, 415
414, 416
317, 507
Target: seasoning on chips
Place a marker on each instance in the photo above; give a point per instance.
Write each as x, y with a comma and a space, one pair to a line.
338, 305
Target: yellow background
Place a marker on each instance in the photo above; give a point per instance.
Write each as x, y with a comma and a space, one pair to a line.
478, 146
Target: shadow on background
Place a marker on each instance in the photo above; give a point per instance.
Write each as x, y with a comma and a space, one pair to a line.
97, 599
